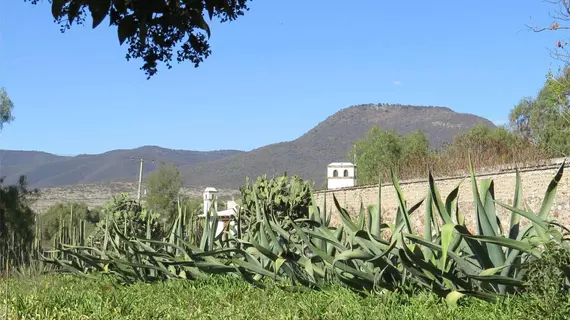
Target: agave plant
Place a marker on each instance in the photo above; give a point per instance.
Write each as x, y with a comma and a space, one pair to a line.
365, 254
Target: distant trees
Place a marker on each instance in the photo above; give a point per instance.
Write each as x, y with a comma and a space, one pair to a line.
153, 29
17, 220
489, 147
411, 156
163, 189
68, 214
381, 150
545, 119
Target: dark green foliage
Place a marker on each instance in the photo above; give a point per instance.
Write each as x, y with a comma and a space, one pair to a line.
51, 220
153, 29
411, 155
547, 278
163, 187
545, 119
17, 222
380, 150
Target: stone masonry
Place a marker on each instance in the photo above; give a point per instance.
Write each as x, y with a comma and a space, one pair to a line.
534, 181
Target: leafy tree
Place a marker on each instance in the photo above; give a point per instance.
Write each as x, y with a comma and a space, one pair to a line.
415, 149
380, 151
17, 220
545, 120
6, 107
153, 29
163, 187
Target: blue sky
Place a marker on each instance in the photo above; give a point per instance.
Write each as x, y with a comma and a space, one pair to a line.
274, 73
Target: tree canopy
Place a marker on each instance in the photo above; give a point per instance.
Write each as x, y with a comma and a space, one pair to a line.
163, 187
410, 154
380, 150
545, 119
153, 29
6, 107
16, 218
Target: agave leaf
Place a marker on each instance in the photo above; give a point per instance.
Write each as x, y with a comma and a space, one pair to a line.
428, 215
453, 281
537, 221
498, 280
453, 297
358, 253
517, 204
550, 193
361, 215
403, 213
461, 262
508, 243
376, 230
446, 237
330, 260
419, 276
486, 227
345, 217
492, 271
488, 194
439, 205
451, 202
256, 269
400, 225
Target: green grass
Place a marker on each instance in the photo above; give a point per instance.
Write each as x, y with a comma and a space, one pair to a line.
69, 297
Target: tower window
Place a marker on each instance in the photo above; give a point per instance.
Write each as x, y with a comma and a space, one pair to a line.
345, 173
335, 173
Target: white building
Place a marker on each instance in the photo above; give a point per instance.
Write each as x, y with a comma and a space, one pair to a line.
341, 175
210, 198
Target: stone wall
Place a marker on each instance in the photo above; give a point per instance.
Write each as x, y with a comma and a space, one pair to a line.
534, 181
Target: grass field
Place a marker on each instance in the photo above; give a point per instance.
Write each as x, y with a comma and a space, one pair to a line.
69, 297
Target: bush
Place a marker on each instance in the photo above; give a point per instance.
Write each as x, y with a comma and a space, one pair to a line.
547, 279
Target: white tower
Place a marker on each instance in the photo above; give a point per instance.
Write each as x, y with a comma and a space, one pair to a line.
210, 197
341, 175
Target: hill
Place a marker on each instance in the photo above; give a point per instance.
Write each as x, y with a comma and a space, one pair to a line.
330, 141
307, 155
48, 170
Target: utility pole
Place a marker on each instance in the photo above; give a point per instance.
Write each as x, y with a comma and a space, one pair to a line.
140, 180
141, 161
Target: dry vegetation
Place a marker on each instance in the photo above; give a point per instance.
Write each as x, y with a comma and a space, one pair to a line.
98, 194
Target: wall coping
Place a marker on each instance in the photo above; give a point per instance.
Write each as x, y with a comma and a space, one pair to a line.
505, 169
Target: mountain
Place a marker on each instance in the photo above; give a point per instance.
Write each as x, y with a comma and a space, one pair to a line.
48, 170
307, 155
330, 141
